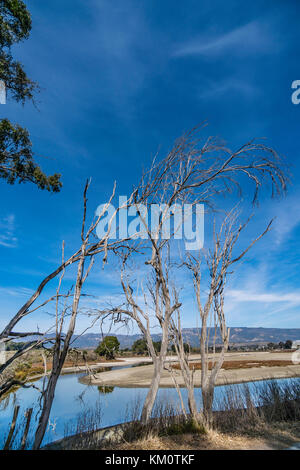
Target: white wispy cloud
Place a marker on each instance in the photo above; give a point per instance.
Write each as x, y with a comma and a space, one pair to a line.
15, 292
246, 296
7, 232
287, 218
229, 85
256, 37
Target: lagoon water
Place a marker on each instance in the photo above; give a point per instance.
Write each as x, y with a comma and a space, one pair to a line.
72, 398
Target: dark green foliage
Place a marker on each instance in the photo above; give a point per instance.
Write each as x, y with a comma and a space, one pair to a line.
16, 156
186, 348
15, 26
140, 346
108, 347
16, 81
15, 22
11, 346
288, 344
157, 346
16, 159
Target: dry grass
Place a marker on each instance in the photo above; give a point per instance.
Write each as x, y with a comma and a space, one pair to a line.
266, 418
282, 351
40, 365
32, 363
233, 365
212, 441
277, 436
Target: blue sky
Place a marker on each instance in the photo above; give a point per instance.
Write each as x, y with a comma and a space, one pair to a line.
121, 80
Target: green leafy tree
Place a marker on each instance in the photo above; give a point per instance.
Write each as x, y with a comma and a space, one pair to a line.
108, 347
16, 159
157, 346
140, 346
186, 347
288, 344
15, 22
16, 155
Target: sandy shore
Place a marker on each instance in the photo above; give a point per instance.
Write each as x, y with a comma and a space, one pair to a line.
74, 369
141, 376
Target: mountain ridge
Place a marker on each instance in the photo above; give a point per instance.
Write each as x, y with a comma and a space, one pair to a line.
238, 336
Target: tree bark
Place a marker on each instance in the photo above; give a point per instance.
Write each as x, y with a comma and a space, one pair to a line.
12, 428
47, 405
207, 398
158, 368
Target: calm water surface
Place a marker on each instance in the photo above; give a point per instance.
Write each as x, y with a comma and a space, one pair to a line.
72, 398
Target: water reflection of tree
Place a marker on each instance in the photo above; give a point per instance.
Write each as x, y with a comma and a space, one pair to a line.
105, 389
103, 369
8, 400
4, 403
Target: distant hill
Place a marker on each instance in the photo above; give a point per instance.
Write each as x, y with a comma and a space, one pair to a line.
238, 336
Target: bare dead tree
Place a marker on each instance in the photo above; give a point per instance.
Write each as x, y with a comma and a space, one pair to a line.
192, 172
155, 300
8, 378
63, 341
186, 371
86, 253
87, 250
91, 249
61, 346
197, 169
220, 261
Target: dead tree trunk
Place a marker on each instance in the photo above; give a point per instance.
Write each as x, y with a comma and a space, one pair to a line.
62, 344
158, 363
219, 261
186, 371
26, 430
12, 429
